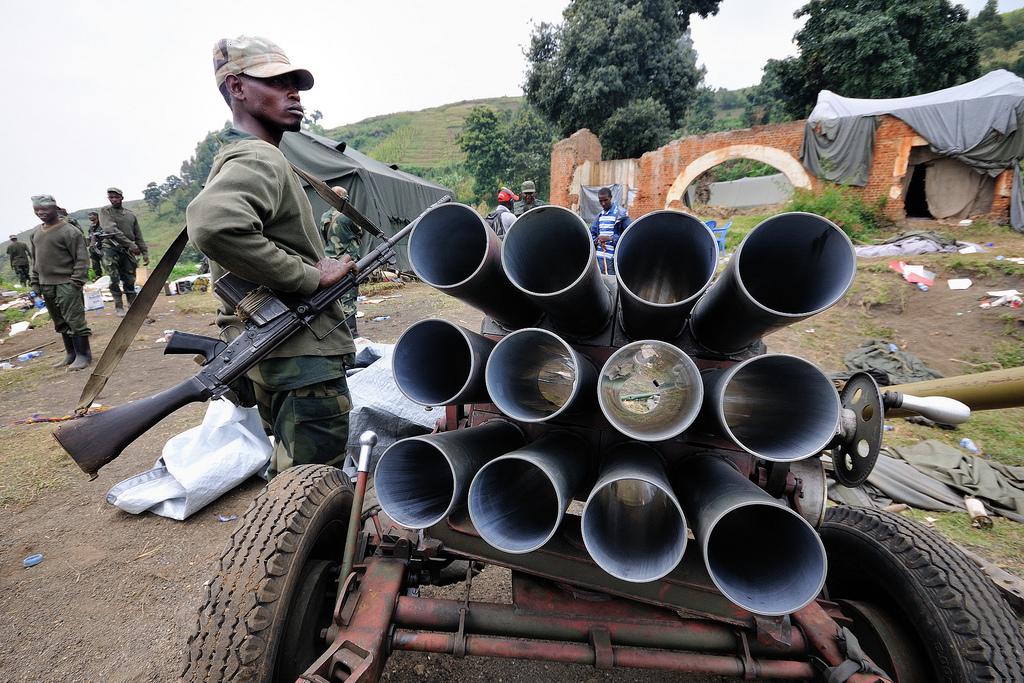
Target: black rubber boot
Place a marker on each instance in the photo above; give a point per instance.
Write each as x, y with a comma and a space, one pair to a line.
129, 298
118, 305
69, 351
83, 354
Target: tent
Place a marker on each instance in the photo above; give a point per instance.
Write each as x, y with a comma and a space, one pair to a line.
972, 132
387, 196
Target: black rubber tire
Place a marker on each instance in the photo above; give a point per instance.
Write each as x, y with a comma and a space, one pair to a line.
963, 626
295, 520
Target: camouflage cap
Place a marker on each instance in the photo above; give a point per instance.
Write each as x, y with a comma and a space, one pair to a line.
528, 186
254, 56
115, 190
43, 200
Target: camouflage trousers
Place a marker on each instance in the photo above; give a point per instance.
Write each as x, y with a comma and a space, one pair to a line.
309, 421
22, 273
66, 306
120, 266
96, 260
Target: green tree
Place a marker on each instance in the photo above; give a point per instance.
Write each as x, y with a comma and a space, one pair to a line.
877, 48
992, 32
609, 55
484, 139
529, 138
635, 128
153, 194
700, 118
766, 102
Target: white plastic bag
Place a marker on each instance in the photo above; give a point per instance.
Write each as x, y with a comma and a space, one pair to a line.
199, 465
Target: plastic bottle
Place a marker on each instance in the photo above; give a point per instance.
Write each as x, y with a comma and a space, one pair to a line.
968, 445
29, 356
922, 286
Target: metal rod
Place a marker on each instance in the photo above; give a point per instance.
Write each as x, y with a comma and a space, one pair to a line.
762, 555
788, 268
453, 250
664, 261
579, 653
367, 440
534, 375
650, 390
436, 363
420, 480
549, 256
776, 406
633, 526
434, 614
517, 501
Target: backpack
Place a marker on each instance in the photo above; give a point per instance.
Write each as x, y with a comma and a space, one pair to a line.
493, 219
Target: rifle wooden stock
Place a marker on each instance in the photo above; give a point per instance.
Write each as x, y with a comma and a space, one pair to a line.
94, 440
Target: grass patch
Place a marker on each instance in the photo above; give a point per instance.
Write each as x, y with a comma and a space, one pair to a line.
871, 289
197, 302
371, 289
1003, 543
28, 373
860, 220
32, 463
998, 433
870, 330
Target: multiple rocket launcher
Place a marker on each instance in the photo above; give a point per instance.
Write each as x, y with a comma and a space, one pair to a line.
569, 359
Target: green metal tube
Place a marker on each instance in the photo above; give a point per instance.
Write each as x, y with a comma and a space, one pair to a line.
984, 391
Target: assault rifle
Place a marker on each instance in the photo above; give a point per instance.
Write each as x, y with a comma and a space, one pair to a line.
269, 319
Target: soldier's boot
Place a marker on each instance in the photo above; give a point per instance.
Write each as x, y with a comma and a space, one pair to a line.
83, 354
118, 305
130, 298
69, 351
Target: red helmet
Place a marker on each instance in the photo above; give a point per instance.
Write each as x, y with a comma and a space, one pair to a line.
505, 194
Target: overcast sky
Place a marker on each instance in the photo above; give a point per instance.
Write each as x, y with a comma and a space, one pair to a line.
118, 92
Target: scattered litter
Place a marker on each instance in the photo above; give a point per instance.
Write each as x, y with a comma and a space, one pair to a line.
896, 507
1019, 260
226, 518
893, 347
41, 311
1011, 300
21, 303
990, 244
29, 356
32, 560
968, 445
913, 273
93, 300
959, 283
360, 314
1004, 292
887, 428
6, 366
168, 333
160, 340
378, 300
965, 223
18, 328
809, 330
381, 318
970, 249
1000, 257
9, 293
930, 522
979, 515
922, 286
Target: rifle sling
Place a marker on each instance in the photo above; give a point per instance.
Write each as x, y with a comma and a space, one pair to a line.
342, 205
130, 323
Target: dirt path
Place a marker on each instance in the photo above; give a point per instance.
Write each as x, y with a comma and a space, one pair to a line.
115, 597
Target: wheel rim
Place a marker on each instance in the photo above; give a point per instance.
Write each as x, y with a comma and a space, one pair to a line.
309, 613
888, 642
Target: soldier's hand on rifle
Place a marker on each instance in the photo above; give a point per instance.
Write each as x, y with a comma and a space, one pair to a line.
135, 251
332, 270
145, 260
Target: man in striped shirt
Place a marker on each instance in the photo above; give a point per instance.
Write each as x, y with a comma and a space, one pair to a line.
606, 230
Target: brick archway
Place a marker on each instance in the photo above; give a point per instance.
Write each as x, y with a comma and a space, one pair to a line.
777, 158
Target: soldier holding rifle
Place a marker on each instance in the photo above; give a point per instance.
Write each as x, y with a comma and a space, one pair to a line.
254, 219
122, 245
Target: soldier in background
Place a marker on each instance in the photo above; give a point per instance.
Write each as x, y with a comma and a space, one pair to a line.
95, 249
18, 254
342, 236
63, 214
122, 245
529, 200
60, 265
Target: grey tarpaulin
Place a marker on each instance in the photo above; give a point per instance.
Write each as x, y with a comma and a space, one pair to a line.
907, 243
387, 196
931, 475
377, 403
590, 207
976, 123
878, 356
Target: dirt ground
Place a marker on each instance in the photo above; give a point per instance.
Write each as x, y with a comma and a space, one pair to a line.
115, 596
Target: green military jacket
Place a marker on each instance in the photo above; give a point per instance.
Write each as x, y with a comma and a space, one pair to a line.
17, 252
254, 219
124, 228
59, 255
521, 207
341, 235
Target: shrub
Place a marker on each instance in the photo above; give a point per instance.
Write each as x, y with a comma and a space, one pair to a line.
842, 206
